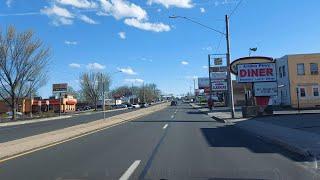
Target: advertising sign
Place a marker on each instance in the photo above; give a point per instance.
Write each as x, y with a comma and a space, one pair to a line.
265, 89
217, 61
219, 85
218, 69
57, 88
248, 60
203, 82
218, 75
262, 72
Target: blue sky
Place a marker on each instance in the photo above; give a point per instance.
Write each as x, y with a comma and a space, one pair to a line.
138, 37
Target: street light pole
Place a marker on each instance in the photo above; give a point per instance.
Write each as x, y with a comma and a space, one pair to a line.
230, 86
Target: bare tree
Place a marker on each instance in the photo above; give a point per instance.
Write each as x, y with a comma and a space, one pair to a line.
94, 85
23, 62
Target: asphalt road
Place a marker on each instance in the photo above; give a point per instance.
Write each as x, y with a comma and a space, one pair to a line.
175, 143
19, 131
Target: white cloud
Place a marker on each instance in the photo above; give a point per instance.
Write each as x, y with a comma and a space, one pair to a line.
184, 62
95, 66
205, 67
122, 9
78, 3
74, 65
71, 42
9, 2
122, 35
61, 16
127, 70
57, 11
174, 3
209, 48
88, 20
159, 10
135, 81
202, 10
156, 27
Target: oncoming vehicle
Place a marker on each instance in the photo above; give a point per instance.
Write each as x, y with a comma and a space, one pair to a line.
173, 103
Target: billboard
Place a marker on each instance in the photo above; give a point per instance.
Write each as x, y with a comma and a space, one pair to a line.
248, 60
57, 88
265, 89
218, 69
262, 72
203, 83
219, 85
217, 61
218, 75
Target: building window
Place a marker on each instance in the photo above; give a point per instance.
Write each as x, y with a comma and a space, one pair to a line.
283, 71
315, 91
302, 92
300, 69
280, 72
313, 68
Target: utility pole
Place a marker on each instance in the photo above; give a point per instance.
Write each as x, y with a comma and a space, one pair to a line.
210, 84
230, 87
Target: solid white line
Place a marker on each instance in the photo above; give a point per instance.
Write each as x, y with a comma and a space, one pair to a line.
165, 126
130, 170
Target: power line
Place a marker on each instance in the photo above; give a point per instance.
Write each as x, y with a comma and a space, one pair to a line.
235, 8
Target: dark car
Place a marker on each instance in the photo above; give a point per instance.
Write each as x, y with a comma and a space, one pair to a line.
173, 103
144, 105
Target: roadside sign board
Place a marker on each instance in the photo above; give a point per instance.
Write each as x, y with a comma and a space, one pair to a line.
58, 88
203, 82
265, 89
217, 61
218, 69
218, 75
248, 60
261, 72
219, 85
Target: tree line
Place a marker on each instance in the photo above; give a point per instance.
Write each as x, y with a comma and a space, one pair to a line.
24, 61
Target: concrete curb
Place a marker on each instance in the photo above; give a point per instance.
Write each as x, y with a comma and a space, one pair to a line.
30, 144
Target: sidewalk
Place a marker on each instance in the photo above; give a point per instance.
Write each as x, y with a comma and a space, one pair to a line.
219, 113
296, 133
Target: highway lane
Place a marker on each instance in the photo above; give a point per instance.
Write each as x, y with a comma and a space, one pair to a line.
19, 131
175, 143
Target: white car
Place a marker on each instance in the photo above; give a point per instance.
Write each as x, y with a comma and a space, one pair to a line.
135, 106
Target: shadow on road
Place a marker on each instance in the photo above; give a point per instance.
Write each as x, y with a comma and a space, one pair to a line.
233, 137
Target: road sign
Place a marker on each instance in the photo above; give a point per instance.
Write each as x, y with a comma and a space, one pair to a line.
59, 88
265, 89
203, 82
217, 61
218, 75
249, 60
262, 72
219, 85
218, 69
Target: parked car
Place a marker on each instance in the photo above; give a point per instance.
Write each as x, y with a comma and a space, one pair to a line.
135, 106
129, 106
121, 106
144, 105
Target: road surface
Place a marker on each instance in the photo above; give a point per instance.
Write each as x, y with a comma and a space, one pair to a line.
175, 143
20, 131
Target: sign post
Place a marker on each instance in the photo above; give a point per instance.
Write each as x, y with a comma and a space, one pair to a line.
60, 88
